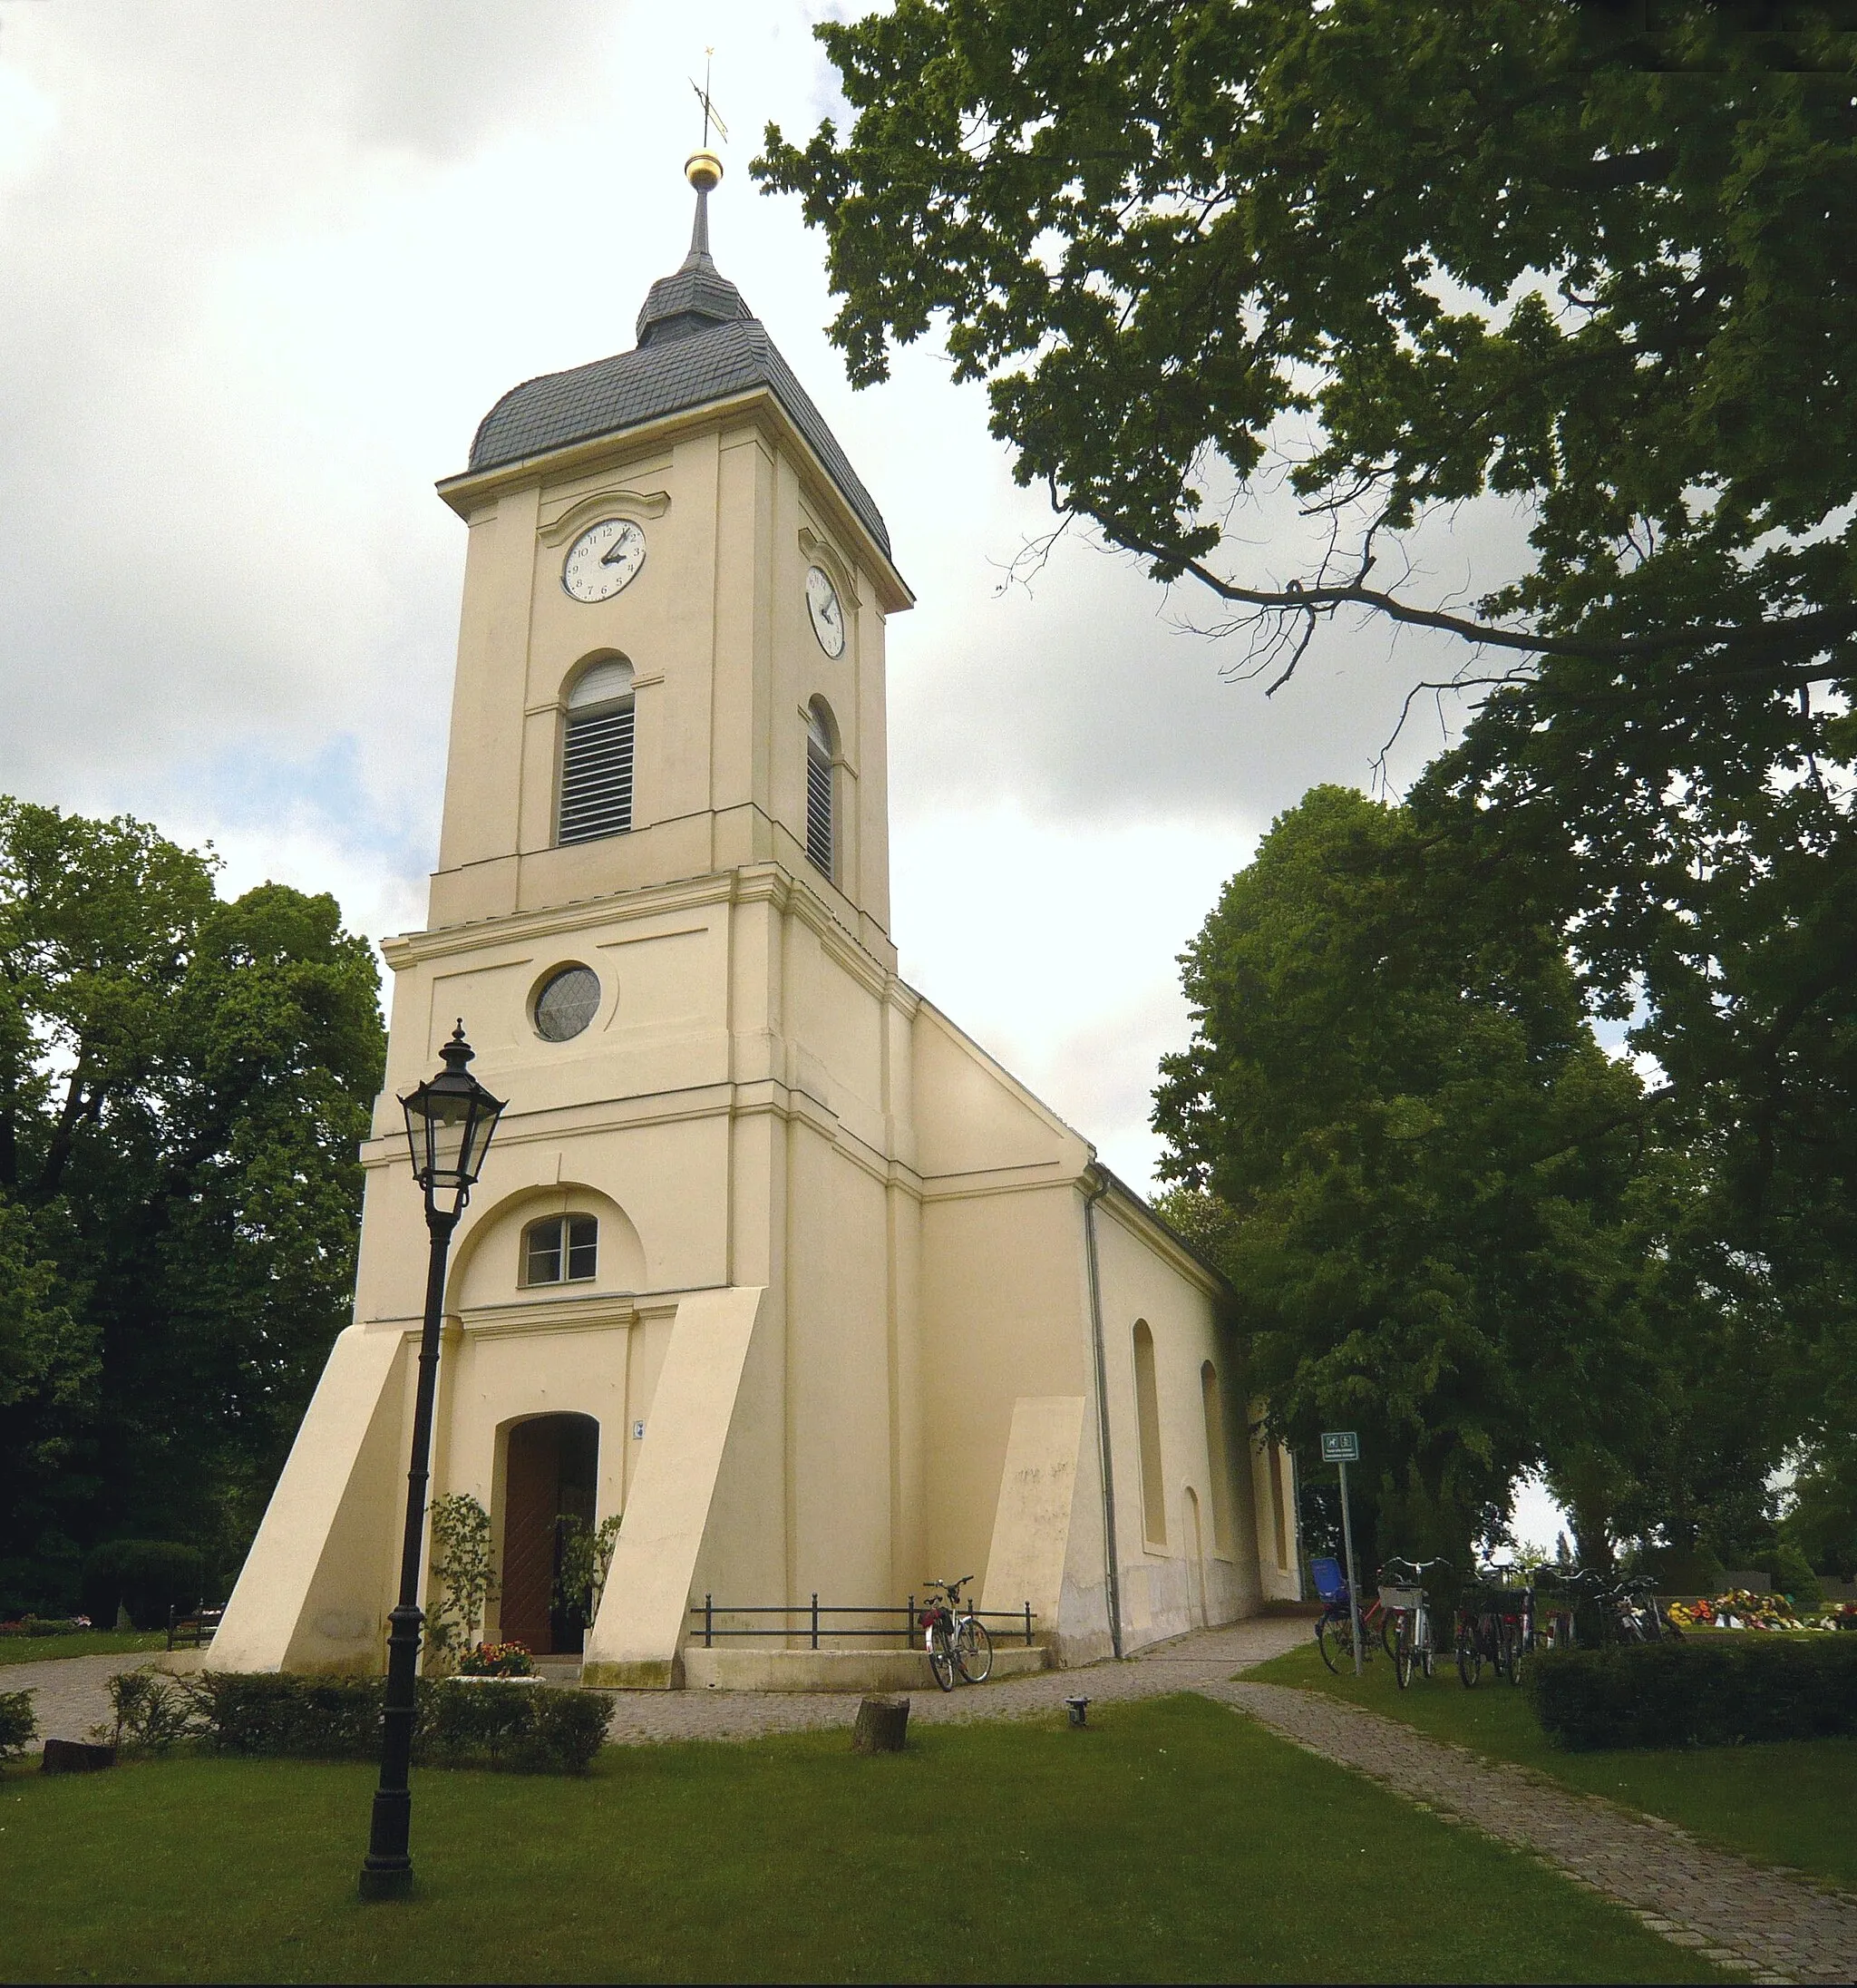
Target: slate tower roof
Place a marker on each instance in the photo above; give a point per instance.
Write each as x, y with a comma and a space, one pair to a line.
698, 342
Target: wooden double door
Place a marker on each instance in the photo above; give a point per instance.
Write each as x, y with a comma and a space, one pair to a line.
550, 1474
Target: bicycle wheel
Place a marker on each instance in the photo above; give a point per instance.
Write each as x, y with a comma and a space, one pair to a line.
1504, 1654
1335, 1638
941, 1660
1401, 1658
1519, 1647
1390, 1620
1470, 1659
974, 1652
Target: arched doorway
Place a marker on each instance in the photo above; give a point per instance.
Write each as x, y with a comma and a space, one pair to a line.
550, 1472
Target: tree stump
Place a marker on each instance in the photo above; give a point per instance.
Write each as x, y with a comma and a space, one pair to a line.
882, 1727
75, 1757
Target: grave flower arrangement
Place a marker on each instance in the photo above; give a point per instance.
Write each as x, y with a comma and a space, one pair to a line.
496, 1659
1741, 1608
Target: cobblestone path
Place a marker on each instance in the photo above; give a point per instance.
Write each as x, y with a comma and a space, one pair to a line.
70, 1694
1198, 1662
1779, 1927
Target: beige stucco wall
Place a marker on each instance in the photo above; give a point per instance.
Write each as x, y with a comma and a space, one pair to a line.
1184, 1578
846, 1244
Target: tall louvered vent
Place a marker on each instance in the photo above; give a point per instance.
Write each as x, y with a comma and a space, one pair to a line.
819, 823
597, 754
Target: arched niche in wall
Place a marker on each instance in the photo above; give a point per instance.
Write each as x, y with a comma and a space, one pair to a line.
492, 1266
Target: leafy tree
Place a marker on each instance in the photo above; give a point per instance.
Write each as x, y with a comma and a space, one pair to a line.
1481, 245
183, 1084
1400, 255
1428, 1184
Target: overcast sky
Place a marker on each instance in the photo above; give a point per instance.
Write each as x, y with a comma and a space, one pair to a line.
264, 270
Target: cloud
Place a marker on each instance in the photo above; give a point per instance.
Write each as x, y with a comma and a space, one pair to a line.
266, 270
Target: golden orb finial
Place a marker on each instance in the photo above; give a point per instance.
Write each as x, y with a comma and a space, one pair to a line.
702, 170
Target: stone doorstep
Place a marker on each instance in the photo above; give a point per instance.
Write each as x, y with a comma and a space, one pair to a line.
838, 1670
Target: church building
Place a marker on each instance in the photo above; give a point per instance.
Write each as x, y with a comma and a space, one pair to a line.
769, 1260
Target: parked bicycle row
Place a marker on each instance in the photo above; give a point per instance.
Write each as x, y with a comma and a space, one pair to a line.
1497, 1621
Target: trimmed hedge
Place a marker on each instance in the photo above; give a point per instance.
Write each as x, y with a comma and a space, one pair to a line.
146, 1576
531, 1728
1698, 1692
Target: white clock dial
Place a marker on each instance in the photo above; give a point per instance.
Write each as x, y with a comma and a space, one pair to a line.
604, 560
828, 616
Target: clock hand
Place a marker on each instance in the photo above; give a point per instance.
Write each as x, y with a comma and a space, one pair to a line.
616, 551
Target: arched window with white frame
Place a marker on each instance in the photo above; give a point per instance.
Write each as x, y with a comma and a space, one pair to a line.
596, 739
821, 788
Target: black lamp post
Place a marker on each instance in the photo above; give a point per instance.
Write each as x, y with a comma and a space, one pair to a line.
450, 1119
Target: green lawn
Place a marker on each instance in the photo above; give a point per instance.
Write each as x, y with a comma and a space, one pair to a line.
1170, 1840
81, 1642
1788, 1803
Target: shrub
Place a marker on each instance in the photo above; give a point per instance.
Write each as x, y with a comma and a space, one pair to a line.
37, 1625
569, 1729
464, 1572
487, 1724
153, 1712
1792, 1574
528, 1726
18, 1726
1697, 1693
307, 1718
145, 1576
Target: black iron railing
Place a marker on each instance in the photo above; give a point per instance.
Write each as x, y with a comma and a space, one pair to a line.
894, 1621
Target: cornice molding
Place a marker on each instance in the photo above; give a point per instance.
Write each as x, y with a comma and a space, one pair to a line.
642, 506
752, 883
515, 928
821, 552
1125, 1207
469, 491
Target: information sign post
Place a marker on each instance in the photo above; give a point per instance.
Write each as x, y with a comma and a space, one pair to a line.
1342, 1447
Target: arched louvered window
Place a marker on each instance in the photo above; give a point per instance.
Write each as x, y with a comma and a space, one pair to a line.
820, 822
597, 753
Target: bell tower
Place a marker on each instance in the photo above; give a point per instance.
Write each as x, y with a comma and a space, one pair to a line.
674, 532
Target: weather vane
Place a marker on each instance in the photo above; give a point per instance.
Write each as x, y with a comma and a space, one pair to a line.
710, 115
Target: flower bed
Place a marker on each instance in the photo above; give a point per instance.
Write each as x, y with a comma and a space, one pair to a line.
497, 1660
1742, 1608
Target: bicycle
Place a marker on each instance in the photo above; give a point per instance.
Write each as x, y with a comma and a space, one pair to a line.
1335, 1625
1631, 1612
1495, 1624
1397, 1580
956, 1643
1378, 1617
1412, 1645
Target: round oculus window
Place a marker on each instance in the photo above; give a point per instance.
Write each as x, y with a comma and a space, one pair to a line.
567, 1001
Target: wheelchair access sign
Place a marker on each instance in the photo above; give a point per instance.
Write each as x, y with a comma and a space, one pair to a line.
1340, 1446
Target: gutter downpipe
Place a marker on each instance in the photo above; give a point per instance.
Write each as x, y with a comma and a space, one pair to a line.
1113, 1565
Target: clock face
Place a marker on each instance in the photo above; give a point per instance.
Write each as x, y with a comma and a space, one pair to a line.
828, 616
604, 560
